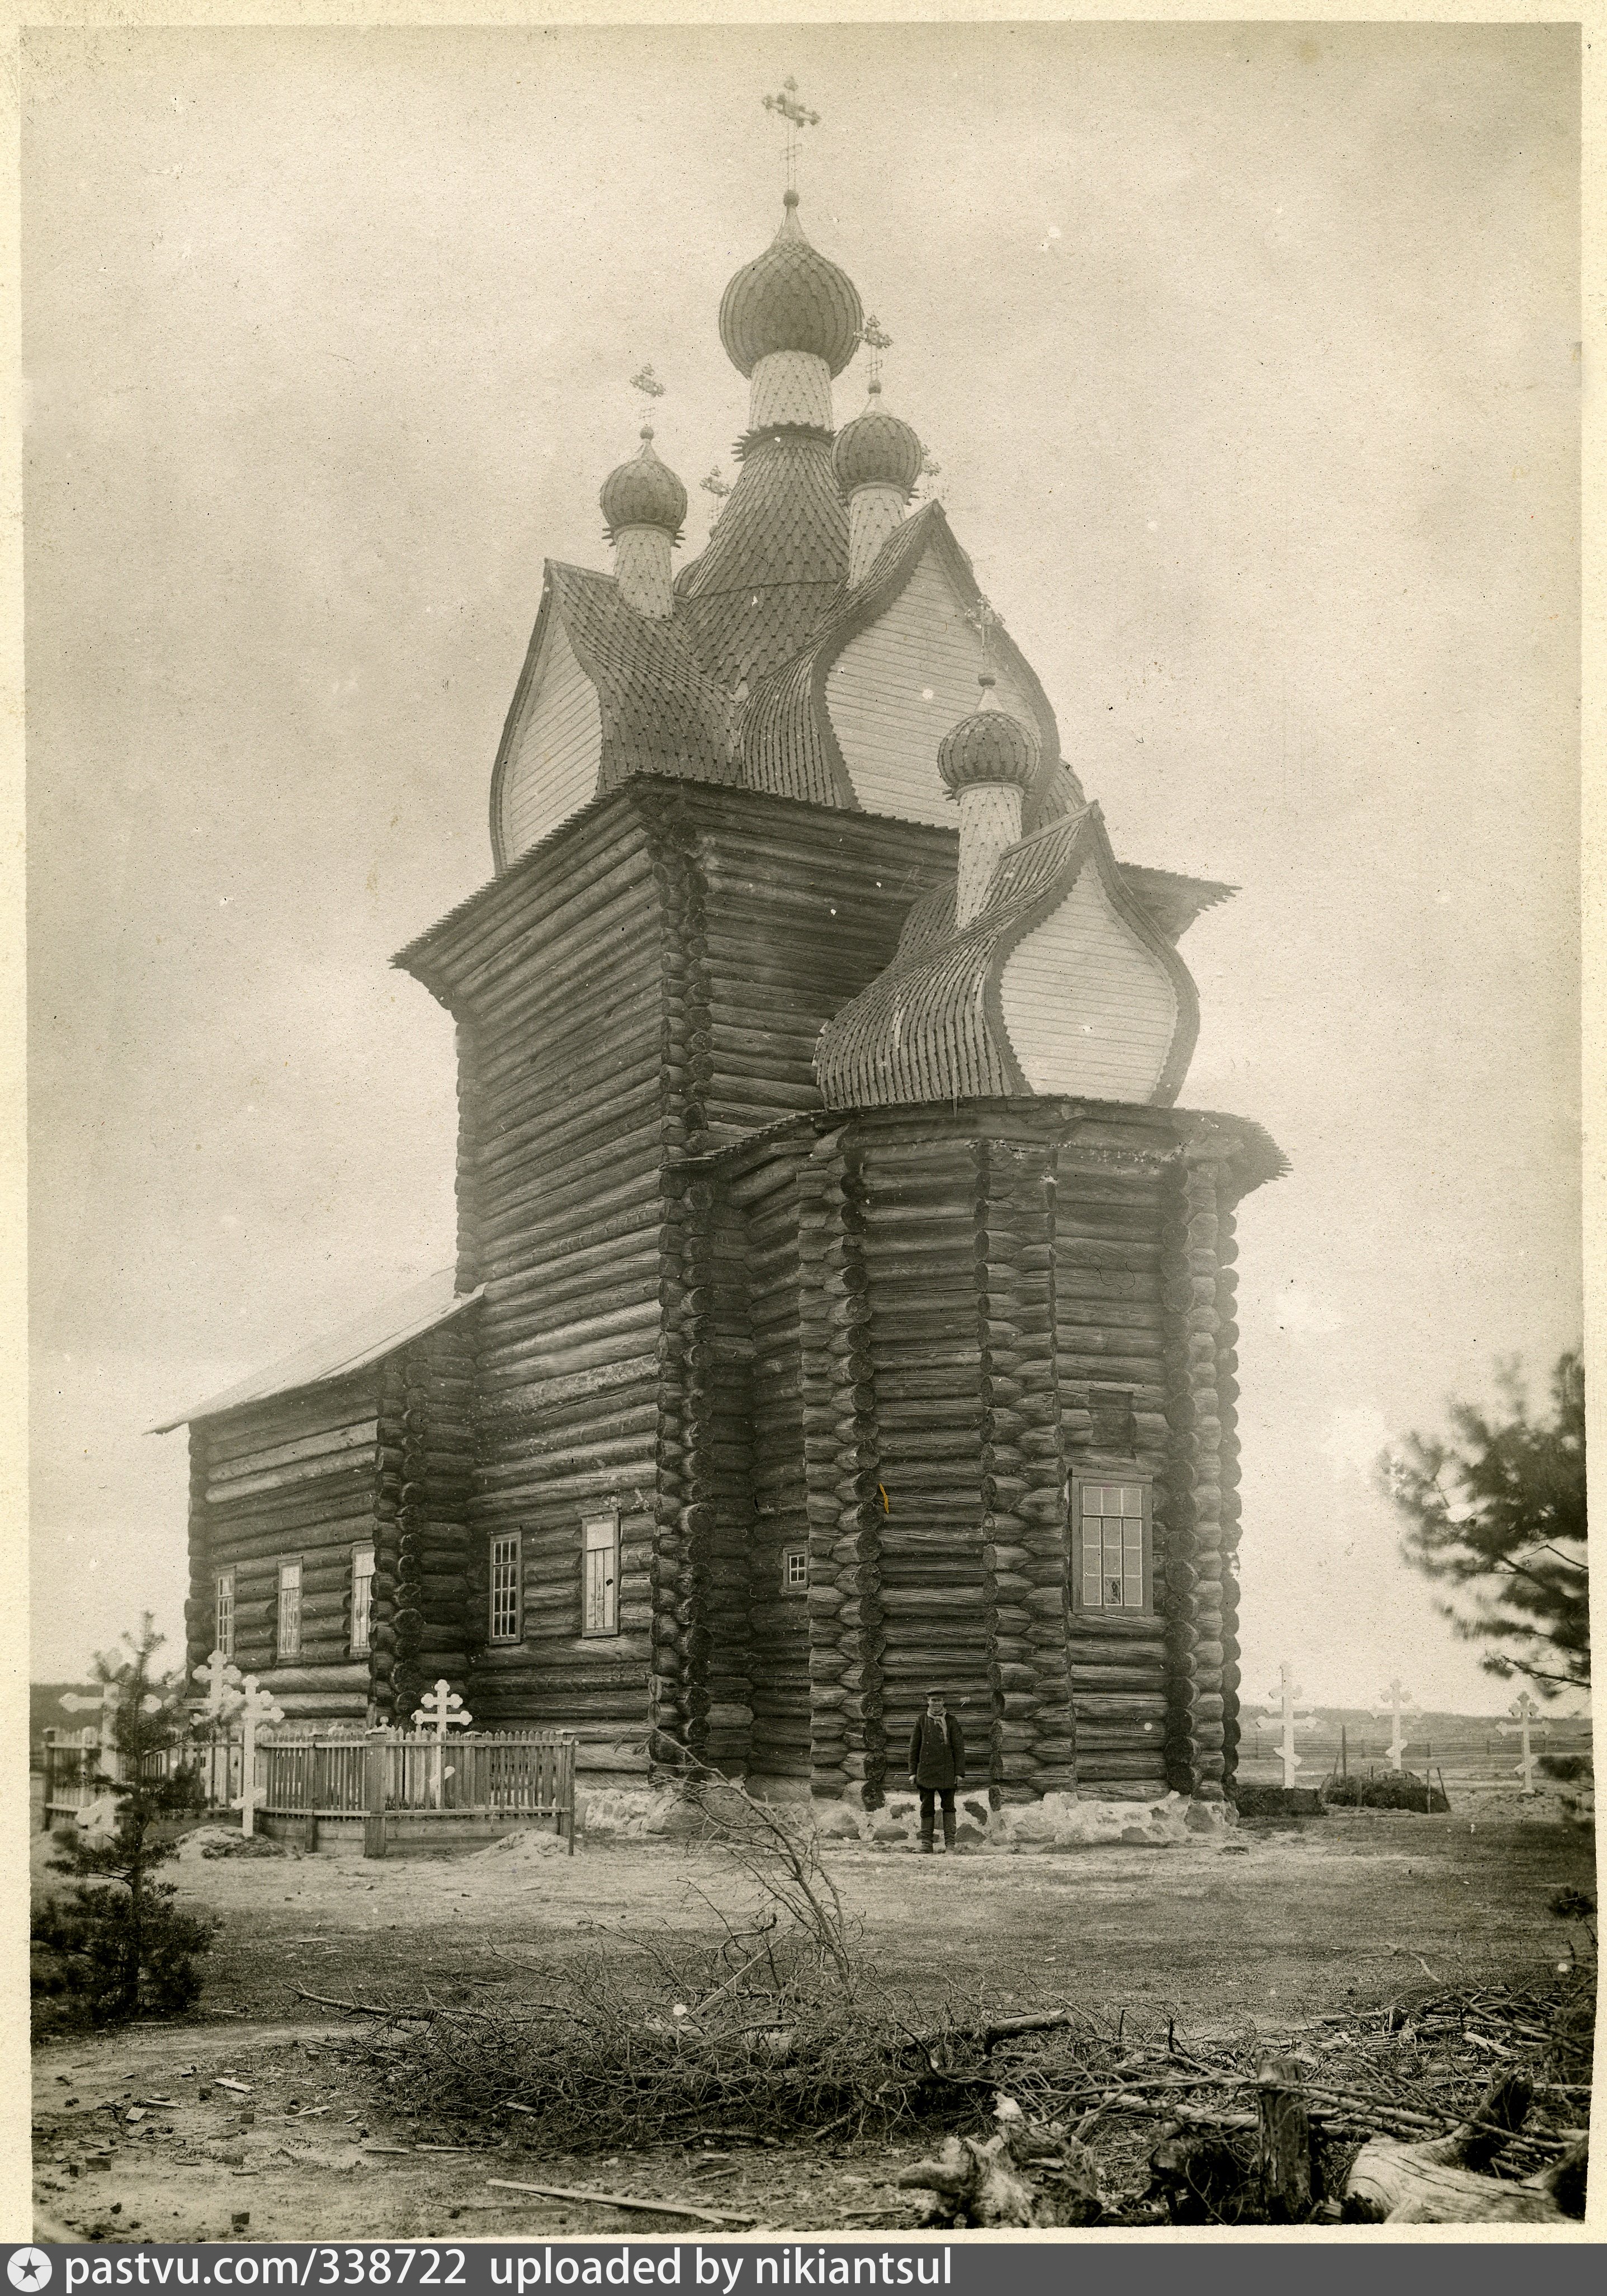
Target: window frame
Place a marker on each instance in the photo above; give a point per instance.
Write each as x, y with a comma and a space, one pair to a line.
795, 1550
288, 1647
1145, 1485
224, 1618
606, 1520
357, 1648
514, 1540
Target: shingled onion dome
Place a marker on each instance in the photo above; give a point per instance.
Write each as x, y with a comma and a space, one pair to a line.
988, 762
877, 460
644, 504
790, 320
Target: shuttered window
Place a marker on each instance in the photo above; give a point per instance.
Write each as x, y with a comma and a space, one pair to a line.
288, 1643
599, 1551
794, 1571
505, 1608
362, 1597
1112, 1570
223, 1620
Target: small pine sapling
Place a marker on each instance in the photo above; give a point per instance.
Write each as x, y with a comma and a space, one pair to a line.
112, 1946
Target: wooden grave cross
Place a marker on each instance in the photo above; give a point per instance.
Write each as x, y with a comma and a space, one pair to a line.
441, 1710
1526, 1715
1292, 1716
1396, 1703
223, 1679
103, 1703
257, 1707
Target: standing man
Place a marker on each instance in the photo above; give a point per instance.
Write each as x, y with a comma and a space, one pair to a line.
937, 1766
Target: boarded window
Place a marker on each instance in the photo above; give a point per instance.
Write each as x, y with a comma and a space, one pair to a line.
222, 1617
1112, 1570
794, 1571
288, 1644
505, 1607
599, 1546
362, 1597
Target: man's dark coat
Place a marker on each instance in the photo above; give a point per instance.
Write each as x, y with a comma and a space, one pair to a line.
937, 1751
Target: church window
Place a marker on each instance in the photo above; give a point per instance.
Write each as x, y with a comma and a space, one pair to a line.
601, 1564
362, 1597
794, 1571
506, 1612
1112, 1568
288, 1641
222, 1630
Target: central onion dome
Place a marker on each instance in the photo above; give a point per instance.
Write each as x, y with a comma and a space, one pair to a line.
877, 449
988, 746
643, 492
790, 298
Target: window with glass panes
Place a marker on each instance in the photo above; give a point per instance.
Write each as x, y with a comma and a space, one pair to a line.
223, 1624
1112, 1563
794, 1571
505, 1587
289, 1640
362, 1596
599, 1542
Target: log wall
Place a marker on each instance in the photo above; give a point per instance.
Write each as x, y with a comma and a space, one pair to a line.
292, 1477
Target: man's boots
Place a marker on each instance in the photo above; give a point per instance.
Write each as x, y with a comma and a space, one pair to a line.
950, 1823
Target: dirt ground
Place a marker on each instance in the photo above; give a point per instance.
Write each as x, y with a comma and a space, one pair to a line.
1264, 1933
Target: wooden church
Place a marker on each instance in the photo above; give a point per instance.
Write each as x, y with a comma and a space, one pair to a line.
843, 1305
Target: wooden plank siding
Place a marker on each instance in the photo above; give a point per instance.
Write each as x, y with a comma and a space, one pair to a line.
1087, 1006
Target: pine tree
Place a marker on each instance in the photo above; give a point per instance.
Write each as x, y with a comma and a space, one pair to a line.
112, 1946
1499, 1514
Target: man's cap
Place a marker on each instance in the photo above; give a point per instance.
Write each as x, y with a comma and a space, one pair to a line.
941, 1694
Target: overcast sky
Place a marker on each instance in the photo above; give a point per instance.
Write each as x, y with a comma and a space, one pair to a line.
1250, 359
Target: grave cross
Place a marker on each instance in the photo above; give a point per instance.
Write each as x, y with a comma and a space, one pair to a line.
439, 1710
1395, 1702
1526, 1714
1286, 1710
103, 1703
257, 1707
223, 1679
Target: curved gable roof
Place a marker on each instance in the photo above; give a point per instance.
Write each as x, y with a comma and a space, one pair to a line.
660, 713
789, 742
931, 1027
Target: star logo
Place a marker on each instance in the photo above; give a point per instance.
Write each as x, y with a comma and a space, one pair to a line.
27, 2268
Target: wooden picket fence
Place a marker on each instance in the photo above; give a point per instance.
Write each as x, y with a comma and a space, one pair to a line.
526, 1774
516, 1775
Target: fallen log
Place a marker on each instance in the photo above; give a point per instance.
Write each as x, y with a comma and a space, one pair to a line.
1442, 2182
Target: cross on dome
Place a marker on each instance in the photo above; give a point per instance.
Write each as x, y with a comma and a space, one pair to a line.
787, 106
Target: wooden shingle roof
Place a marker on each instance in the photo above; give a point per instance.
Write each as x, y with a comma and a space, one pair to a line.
776, 560
931, 1027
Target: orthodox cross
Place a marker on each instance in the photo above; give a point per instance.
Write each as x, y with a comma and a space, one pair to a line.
797, 115
223, 1679
1396, 1703
1526, 1714
985, 621
440, 1708
716, 486
645, 380
1292, 1717
257, 1707
875, 340
105, 1702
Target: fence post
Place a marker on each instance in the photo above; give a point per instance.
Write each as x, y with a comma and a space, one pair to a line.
376, 1769
568, 1774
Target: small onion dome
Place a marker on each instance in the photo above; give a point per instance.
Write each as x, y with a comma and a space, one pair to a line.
877, 449
790, 298
988, 746
643, 492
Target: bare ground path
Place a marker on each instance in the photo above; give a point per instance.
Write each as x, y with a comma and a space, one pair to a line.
1277, 1929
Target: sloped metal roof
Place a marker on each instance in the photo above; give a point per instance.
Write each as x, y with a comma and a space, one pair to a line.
405, 1316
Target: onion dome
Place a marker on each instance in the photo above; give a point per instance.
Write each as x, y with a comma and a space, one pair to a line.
643, 492
790, 298
988, 746
877, 449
